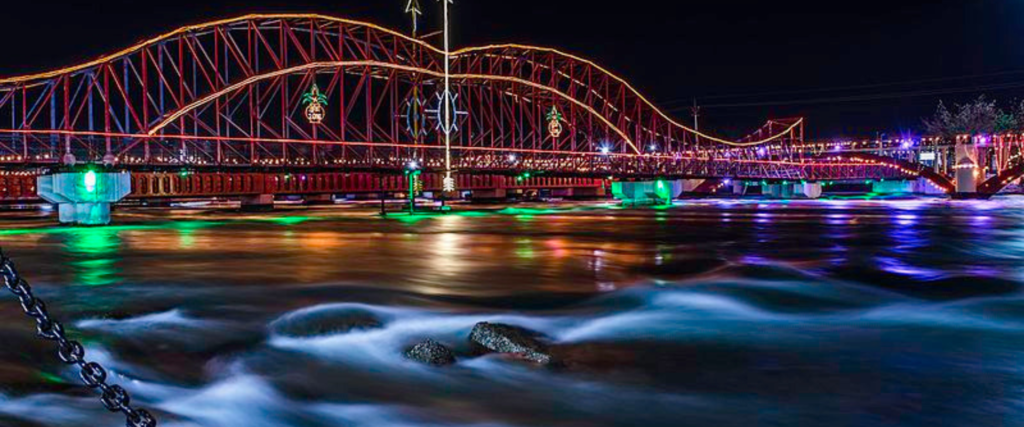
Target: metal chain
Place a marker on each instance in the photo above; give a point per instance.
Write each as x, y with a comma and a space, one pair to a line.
114, 397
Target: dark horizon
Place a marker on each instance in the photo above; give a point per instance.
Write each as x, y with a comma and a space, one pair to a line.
850, 70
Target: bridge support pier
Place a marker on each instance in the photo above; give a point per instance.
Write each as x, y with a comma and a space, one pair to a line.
84, 198
318, 199
259, 203
966, 171
565, 193
497, 194
646, 193
580, 192
805, 190
918, 186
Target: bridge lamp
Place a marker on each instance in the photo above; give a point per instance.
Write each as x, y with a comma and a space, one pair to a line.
413, 165
605, 150
761, 151
512, 158
89, 181
727, 181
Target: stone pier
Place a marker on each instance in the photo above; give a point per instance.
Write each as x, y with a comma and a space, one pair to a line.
918, 186
489, 195
647, 193
318, 199
84, 198
798, 190
259, 203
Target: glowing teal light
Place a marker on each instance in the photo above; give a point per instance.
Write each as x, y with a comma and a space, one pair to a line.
89, 180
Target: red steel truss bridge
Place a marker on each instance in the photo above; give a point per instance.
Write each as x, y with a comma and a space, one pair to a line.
233, 97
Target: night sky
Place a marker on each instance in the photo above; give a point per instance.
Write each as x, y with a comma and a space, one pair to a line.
851, 68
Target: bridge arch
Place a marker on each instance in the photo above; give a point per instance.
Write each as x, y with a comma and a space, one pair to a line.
602, 89
171, 118
142, 84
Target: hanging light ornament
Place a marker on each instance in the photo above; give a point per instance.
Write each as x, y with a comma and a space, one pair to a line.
315, 101
555, 122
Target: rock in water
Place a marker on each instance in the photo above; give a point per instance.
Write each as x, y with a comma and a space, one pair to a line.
326, 321
509, 339
432, 353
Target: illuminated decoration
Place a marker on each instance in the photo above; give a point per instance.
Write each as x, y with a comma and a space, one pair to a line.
447, 113
89, 181
415, 115
554, 122
315, 103
415, 11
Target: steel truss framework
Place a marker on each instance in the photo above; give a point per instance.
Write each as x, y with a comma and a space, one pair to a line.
226, 96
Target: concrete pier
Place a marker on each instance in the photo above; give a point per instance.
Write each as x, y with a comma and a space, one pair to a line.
646, 193
260, 203
918, 186
798, 190
489, 195
318, 199
84, 198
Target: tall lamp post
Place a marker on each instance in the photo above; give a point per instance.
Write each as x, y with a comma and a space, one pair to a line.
412, 171
448, 102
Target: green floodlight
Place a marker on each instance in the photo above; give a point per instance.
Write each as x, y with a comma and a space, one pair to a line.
89, 181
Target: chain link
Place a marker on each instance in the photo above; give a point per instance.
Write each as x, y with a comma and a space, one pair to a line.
114, 397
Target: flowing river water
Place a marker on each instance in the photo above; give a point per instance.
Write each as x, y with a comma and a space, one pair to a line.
708, 313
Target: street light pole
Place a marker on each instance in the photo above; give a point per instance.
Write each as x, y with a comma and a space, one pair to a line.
449, 182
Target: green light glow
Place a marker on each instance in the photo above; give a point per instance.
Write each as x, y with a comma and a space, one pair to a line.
50, 378
290, 220
89, 180
664, 192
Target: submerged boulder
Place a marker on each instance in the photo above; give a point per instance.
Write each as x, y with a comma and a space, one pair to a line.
507, 339
431, 352
327, 321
